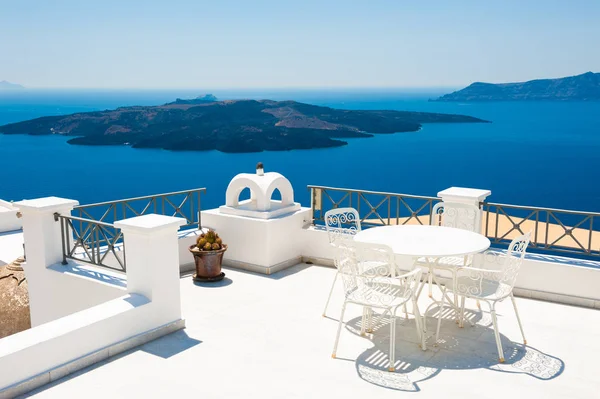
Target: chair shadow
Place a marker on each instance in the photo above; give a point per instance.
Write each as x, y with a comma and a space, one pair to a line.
468, 348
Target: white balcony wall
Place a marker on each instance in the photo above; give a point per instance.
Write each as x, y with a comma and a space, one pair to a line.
542, 277
67, 289
8, 217
70, 330
260, 245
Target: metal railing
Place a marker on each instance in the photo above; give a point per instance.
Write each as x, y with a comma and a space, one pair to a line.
552, 230
374, 208
185, 204
90, 241
555, 231
90, 235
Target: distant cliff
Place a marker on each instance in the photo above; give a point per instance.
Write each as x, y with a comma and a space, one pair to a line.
4, 85
585, 87
228, 126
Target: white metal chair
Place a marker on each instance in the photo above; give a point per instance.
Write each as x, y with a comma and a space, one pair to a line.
457, 215
373, 287
341, 224
492, 282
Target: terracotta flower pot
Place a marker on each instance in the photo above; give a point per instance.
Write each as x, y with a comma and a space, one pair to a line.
208, 263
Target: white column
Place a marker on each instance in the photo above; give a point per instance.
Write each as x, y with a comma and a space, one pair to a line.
152, 260
43, 245
461, 195
471, 196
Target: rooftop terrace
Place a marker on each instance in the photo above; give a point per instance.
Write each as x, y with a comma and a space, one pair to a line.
263, 336
115, 311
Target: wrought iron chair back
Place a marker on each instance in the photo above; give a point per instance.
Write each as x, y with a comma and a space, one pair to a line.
342, 223
457, 215
366, 274
492, 282
499, 270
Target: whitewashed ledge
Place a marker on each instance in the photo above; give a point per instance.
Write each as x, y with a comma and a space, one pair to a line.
85, 361
543, 277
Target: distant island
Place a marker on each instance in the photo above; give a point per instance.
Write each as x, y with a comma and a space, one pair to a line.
585, 87
207, 98
4, 85
229, 126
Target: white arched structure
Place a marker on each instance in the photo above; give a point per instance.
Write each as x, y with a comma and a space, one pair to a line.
260, 205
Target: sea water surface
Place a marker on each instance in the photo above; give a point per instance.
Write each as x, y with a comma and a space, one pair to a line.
533, 153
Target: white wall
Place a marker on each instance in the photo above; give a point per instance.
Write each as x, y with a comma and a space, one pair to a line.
52, 350
42, 348
262, 245
8, 217
78, 310
541, 279
70, 288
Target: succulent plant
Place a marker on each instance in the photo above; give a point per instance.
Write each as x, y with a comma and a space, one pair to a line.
210, 241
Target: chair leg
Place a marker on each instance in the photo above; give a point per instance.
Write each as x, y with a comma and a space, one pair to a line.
330, 292
456, 312
363, 321
337, 337
430, 282
461, 324
497, 333
392, 354
421, 324
512, 298
405, 311
439, 320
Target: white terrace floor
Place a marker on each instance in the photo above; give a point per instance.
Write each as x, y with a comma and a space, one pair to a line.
257, 336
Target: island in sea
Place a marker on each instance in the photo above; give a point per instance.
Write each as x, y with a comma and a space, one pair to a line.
584, 87
4, 85
229, 126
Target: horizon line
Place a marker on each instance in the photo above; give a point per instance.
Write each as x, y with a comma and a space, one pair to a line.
299, 88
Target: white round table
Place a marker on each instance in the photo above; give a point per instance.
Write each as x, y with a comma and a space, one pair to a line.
425, 241
431, 243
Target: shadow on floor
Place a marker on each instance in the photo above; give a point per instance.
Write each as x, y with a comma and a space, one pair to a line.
170, 345
471, 347
214, 284
164, 347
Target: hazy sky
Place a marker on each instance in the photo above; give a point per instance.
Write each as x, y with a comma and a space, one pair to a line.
299, 43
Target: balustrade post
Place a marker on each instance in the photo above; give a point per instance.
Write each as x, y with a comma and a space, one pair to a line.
44, 243
461, 195
153, 261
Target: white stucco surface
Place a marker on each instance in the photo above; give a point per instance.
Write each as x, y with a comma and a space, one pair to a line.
543, 277
11, 246
256, 336
8, 217
260, 243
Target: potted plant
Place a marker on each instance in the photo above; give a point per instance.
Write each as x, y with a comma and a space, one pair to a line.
208, 255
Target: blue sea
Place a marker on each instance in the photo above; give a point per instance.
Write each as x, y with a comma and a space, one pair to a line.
533, 153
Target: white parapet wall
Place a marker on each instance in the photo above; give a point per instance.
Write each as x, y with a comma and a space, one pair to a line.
263, 235
83, 314
549, 278
8, 217
260, 245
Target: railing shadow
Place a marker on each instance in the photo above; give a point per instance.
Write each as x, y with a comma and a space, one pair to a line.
88, 271
468, 348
